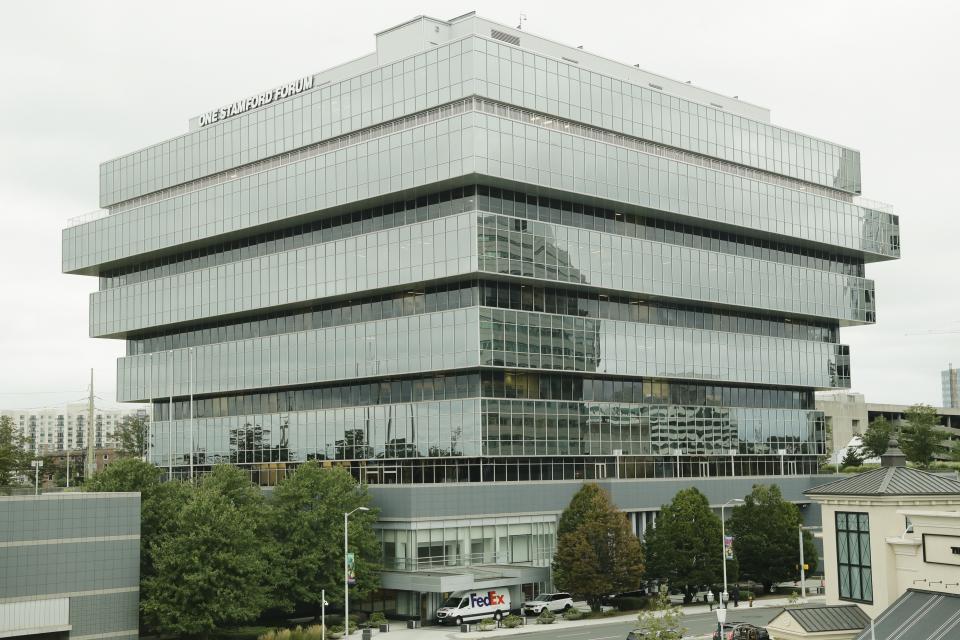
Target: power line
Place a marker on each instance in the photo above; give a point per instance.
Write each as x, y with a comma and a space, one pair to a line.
33, 393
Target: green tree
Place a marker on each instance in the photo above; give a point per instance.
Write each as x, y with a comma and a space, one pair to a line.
133, 436
585, 504
597, 553
159, 501
851, 458
14, 456
127, 474
764, 530
920, 437
307, 520
876, 438
662, 620
56, 470
209, 569
684, 549
234, 484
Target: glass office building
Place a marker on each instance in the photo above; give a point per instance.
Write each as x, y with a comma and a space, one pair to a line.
478, 256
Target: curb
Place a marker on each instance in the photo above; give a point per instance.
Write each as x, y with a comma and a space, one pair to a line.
537, 628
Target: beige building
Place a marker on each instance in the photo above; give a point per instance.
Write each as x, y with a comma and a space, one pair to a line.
62, 428
891, 547
848, 414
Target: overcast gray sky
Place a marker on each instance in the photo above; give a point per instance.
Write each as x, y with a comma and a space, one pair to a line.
82, 82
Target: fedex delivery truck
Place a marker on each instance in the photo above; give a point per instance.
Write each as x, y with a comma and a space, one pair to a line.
467, 606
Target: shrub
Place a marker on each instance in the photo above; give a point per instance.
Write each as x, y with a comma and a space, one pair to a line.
269, 635
546, 617
487, 624
313, 632
573, 614
632, 603
512, 621
336, 631
744, 595
378, 618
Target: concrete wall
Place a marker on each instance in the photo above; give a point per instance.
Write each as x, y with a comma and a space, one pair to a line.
80, 547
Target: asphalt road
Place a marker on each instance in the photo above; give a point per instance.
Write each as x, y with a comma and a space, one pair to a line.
698, 625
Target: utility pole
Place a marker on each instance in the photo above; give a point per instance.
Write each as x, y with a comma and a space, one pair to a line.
91, 460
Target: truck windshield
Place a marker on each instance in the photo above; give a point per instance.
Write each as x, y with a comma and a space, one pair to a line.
454, 602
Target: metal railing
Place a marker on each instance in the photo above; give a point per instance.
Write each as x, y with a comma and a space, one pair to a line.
90, 216
876, 205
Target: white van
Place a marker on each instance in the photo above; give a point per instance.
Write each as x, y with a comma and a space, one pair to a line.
466, 606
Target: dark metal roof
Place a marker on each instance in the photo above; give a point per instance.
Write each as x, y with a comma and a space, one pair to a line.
918, 615
889, 481
834, 618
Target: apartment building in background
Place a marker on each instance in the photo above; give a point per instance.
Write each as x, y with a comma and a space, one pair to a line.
61, 428
477, 268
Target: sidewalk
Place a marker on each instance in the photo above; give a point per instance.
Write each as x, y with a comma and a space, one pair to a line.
400, 632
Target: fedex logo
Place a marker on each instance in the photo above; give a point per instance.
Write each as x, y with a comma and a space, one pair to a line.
492, 598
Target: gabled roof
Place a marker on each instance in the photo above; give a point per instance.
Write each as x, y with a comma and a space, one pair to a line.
834, 618
918, 615
889, 481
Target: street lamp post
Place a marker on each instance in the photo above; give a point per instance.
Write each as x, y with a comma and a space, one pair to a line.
723, 547
721, 618
36, 464
803, 571
803, 575
346, 571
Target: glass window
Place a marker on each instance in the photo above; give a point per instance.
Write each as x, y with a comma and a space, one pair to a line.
853, 557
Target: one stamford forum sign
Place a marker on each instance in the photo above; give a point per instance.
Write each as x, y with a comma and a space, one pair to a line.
253, 102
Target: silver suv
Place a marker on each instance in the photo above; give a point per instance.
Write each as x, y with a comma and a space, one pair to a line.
553, 602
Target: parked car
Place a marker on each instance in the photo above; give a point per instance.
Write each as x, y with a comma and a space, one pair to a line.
742, 631
611, 600
552, 601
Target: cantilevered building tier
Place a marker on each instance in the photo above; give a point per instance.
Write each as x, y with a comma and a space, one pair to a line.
478, 255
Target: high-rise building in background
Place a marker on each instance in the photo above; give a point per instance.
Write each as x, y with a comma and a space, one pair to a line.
476, 258
950, 388
64, 428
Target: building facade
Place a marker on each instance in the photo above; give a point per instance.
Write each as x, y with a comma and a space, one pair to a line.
70, 566
849, 414
54, 430
480, 258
